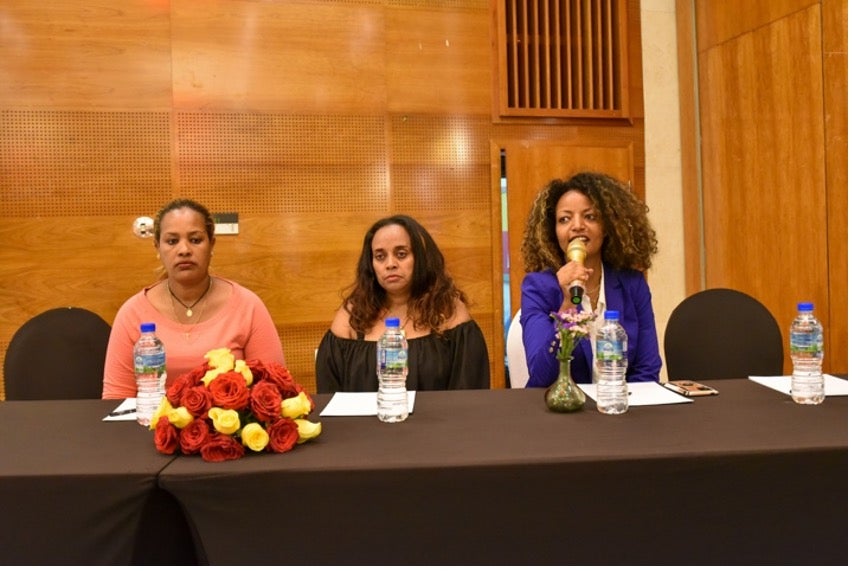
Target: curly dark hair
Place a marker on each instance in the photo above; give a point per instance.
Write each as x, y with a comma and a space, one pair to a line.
177, 204
629, 240
433, 292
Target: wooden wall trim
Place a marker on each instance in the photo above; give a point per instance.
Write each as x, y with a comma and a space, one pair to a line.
693, 235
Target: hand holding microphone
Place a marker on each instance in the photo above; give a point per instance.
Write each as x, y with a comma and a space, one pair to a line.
576, 252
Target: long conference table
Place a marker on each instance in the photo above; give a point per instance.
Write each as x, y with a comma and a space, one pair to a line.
472, 477
75, 490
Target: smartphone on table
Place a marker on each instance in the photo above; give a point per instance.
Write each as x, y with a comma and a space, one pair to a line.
690, 388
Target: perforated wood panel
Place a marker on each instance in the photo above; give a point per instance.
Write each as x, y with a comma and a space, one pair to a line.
440, 163
285, 163
67, 163
299, 343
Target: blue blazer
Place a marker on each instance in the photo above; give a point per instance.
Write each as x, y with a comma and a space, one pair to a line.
626, 290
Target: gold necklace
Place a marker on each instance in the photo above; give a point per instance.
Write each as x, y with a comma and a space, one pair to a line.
189, 307
188, 332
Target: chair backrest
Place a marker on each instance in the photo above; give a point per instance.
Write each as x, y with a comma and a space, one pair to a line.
58, 354
517, 356
722, 334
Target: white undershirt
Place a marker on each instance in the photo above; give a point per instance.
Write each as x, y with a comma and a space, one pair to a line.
597, 323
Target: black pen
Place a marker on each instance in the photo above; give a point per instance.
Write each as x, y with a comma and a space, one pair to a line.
122, 412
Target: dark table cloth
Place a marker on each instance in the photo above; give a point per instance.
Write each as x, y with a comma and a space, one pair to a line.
492, 477
75, 490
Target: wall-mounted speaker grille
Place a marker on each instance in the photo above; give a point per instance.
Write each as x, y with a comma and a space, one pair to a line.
563, 58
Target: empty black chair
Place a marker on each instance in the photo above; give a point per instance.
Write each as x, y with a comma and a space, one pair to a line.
58, 354
722, 334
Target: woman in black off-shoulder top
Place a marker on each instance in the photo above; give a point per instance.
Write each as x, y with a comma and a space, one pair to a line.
401, 274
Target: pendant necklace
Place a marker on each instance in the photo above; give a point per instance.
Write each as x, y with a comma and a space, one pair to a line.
188, 332
189, 307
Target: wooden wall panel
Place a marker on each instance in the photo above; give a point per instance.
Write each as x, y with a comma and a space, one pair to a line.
718, 21
75, 55
296, 57
767, 170
441, 65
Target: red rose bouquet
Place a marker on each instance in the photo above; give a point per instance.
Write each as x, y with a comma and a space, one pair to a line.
226, 406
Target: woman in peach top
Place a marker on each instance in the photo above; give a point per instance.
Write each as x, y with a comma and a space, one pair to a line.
194, 311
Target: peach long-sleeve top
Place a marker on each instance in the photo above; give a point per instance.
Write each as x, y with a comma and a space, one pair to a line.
244, 326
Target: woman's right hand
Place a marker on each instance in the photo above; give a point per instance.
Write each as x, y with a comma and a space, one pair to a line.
571, 272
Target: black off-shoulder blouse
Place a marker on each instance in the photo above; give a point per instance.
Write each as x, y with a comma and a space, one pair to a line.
456, 360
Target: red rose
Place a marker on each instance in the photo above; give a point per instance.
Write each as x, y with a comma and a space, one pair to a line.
221, 447
175, 389
229, 390
265, 401
258, 370
193, 436
165, 436
278, 374
283, 434
197, 400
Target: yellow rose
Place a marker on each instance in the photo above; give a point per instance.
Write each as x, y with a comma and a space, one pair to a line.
243, 369
180, 417
295, 407
307, 429
224, 420
162, 409
220, 359
255, 437
210, 375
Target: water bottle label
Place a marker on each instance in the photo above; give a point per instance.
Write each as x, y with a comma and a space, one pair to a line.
150, 363
609, 350
803, 343
394, 359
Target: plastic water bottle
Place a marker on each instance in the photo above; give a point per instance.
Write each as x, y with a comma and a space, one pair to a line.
149, 364
808, 386
611, 358
392, 370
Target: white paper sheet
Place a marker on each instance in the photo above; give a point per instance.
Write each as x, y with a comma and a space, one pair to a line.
834, 386
642, 394
358, 404
125, 411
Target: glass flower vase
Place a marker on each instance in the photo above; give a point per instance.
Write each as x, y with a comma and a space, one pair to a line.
564, 395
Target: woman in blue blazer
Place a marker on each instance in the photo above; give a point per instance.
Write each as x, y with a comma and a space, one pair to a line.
611, 225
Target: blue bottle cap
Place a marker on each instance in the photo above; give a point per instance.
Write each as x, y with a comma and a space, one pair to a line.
806, 306
148, 327
392, 322
611, 314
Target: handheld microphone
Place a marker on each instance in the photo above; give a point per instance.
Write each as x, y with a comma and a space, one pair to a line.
576, 252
